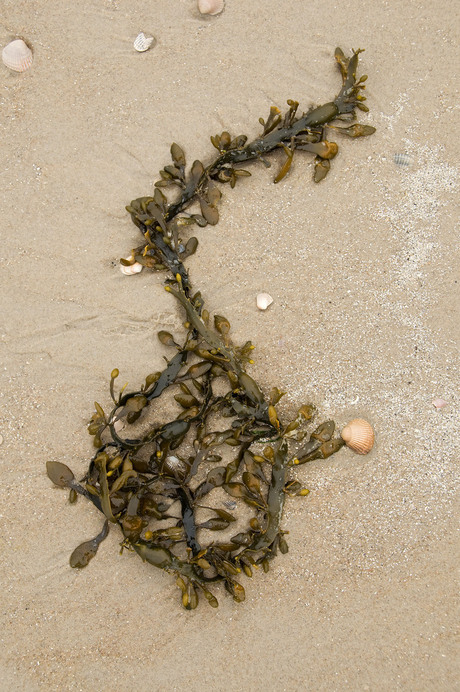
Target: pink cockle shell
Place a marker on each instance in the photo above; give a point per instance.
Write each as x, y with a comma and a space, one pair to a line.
210, 6
359, 436
17, 55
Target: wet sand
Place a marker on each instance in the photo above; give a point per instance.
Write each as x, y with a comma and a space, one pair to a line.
364, 272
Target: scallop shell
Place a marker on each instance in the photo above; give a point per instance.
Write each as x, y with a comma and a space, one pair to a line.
143, 42
210, 6
17, 55
359, 436
264, 300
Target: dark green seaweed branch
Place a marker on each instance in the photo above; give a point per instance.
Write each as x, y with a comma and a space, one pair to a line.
156, 479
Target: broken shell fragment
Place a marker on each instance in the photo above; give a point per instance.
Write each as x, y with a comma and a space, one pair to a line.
402, 159
264, 300
130, 269
210, 6
143, 42
359, 436
17, 56
439, 403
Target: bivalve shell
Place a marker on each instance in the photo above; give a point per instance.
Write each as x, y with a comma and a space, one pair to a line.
359, 436
143, 42
130, 269
210, 6
17, 55
263, 300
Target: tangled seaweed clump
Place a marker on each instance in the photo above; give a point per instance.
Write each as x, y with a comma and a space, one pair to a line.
165, 484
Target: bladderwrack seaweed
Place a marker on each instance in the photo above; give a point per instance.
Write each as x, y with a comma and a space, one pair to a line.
201, 434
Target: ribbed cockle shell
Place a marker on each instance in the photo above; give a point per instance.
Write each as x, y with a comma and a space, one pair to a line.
210, 6
143, 42
359, 436
17, 55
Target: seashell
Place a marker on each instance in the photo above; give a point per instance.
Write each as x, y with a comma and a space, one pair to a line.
174, 462
402, 159
359, 436
264, 300
17, 55
130, 269
439, 403
143, 42
210, 6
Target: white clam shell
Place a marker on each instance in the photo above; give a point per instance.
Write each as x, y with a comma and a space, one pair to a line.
143, 42
359, 436
263, 300
128, 270
210, 6
17, 55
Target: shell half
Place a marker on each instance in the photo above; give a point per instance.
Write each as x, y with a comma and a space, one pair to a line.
210, 6
359, 436
143, 42
129, 270
17, 56
263, 300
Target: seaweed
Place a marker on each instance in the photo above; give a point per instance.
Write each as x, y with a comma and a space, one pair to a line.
164, 482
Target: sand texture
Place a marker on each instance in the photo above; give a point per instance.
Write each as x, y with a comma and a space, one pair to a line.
364, 272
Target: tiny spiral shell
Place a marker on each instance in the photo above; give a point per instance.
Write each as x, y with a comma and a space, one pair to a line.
359, 436
17, 56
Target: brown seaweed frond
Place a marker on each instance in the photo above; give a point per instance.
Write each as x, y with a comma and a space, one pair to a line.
202, 433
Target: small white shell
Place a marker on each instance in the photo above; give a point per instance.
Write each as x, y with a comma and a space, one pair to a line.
17, 56
402, 159
128, 270
359, 436
439, 403
143, 42
264, 300
174, 462
210, 6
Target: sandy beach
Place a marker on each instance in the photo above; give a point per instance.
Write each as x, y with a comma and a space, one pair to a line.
364, 272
